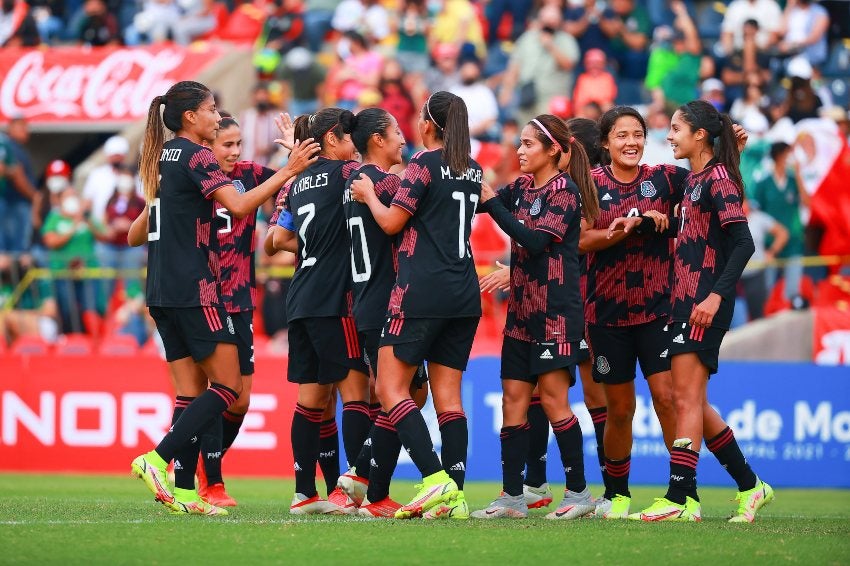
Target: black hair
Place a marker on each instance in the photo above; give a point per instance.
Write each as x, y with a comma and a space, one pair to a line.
355, 37
700, 115
370, 121
448, 113
586, 132
335, 120
227, 120
778, 149
606, 124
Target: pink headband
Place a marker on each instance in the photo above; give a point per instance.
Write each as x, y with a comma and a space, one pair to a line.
548, 135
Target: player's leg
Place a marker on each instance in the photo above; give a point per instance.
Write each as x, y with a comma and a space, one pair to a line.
594, 400
329, 444
536, 489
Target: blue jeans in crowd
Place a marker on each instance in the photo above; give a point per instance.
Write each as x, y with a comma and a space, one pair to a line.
15, 225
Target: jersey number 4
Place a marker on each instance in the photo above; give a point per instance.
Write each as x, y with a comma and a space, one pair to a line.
462, 240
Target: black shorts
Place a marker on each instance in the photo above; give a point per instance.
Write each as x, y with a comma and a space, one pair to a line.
370, 340
525, 361
617, 350
244, 323
583, 351
322, 350
704, 342
193, 331
444, 341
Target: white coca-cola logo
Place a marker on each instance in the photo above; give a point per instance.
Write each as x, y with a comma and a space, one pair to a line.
118, 87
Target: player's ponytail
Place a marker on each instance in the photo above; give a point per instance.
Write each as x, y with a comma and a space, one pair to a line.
448, 113
552, 131
699, 114
369, 122
586, 132
334, 120
166, 110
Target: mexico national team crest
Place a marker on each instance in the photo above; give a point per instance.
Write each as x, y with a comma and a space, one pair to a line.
535, 207
647, 189
602, 365
240, 188
697, 193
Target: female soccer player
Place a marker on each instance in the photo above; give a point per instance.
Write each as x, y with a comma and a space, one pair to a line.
542, 212
435, 305
181, 178
712, 247
323, 345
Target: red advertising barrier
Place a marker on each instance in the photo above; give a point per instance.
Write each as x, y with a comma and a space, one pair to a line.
831, 344
95, 414
66, 85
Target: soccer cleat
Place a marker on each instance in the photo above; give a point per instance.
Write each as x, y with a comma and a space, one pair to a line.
188, 502
341, 499
750, 501
154, 479
458, 509
574, 505
384, 509
201, 474
353, 485
614, 508
435, 489
665, 510
507, 506
303, 505
537, 497
217, 495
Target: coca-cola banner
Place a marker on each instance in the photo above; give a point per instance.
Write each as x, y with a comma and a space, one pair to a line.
102, 84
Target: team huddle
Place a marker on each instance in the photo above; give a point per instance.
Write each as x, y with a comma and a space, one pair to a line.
611, 265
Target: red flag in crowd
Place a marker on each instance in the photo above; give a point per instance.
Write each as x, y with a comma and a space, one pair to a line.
830, 206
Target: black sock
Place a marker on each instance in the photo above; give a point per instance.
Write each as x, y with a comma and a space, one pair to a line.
725, 448
514, 441
211, 451
414, 435
538, 444
180, 404
305, 447
455, 435
195, 418
386, 447
230, 425
362, 463
329, 453
618, 477
599, 415
186, 460
683, 475
374, 411
568, 435
355, 428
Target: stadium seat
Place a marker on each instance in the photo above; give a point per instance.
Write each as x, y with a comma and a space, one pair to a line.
74, 345
840, 90
119, 345
776, 301
838, 64
30, 346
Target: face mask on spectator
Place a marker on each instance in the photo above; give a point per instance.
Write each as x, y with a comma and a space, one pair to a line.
71, 206
343, 48
658, 134
125, 184
56, 184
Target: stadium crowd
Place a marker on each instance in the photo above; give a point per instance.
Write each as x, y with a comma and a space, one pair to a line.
782, 70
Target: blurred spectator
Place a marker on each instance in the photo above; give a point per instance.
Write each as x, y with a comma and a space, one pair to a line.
97, 27
412, 25
674, 67
519, 11
17, 25
49, 19
751, 103
589, 111
627, 25
258, 128
396, 99
444, 74
780, 193
57, 178
802, 101
304, 78
581, 20
367, 17
713, 91
360, 70
112, 250
745, 66
483, 108
16, 187
101, 182
754, 279
596, 83
153, 23
541, 66
200, 17
317, 21
34, 314
657, 149
507, 168
803, 31
766, 13
457, 24
284, 26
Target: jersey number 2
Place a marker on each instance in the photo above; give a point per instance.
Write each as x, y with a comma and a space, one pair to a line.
462, 243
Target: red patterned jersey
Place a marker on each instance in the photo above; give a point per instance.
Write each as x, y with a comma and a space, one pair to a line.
629, 282
711, 201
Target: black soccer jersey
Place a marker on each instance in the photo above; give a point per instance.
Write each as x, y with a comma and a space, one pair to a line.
373, 269
711, 201
545, 304
436, 271
236, 242
321, 285
629, 282
183, 262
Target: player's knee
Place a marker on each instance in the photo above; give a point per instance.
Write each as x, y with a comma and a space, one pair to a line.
662, 402
552, 404
621, 411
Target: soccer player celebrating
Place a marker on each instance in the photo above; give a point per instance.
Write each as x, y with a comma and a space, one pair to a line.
181, 178
323, 345
435, 306
712, 248
542, 212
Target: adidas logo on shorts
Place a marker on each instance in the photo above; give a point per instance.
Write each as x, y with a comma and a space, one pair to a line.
459, 467
680, 339
583, 344
607, 196
546, 355
663, 354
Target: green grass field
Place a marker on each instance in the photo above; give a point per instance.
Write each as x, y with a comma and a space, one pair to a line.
108, 519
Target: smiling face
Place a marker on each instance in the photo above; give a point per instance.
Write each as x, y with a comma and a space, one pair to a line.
227, 147
683, 140
392, 142
533, 155
625, 142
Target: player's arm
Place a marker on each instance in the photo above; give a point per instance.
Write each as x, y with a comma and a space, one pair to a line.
596, 239
138, 233
283, 233
391, 218
534, 241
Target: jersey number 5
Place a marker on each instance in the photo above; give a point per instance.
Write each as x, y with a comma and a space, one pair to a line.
462, 242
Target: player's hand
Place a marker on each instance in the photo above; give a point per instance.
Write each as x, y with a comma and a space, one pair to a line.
304, 153
497, 280
362, 188
661, 220
624, 224
741, 136
487, 192
703, 314
287, 130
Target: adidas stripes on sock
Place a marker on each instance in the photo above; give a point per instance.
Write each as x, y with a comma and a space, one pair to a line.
599, 415
683, 474
356, 424
455, 434
725, 448
195, 418
514, 440
414, 435
538, 444
386, 447
568, 435
618, 477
